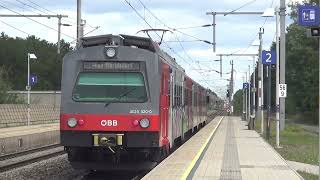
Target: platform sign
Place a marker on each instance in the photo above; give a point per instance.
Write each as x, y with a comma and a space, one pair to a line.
282, 90
269, 57
308, 15
245, 85
33, 79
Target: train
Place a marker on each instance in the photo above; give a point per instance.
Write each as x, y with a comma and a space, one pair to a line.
126, 104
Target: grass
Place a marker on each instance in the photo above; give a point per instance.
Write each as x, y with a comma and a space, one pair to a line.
297, 143
308, 176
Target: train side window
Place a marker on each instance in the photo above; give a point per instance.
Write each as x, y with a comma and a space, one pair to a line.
185, 96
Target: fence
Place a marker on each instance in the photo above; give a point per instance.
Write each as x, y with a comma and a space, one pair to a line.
44, 108
16, 114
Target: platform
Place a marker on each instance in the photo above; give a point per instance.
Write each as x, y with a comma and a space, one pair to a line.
224, 149
16, 139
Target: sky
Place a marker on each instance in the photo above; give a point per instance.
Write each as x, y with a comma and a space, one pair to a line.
233, 33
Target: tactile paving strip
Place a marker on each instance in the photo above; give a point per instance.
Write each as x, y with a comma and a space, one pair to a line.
231, 166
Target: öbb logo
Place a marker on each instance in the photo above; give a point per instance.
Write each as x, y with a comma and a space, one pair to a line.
109, 123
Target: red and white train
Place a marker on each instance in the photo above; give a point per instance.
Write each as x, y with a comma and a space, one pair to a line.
126, 103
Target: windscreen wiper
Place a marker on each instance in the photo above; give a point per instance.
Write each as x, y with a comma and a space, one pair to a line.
121, 95
126, 93
107, 104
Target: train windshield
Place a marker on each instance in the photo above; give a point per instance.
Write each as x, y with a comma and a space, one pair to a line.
110, 87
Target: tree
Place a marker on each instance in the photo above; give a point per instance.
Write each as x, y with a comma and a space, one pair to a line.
5, 86
302, 70
237, 102
13, 57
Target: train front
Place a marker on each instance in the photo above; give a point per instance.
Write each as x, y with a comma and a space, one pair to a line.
110, 104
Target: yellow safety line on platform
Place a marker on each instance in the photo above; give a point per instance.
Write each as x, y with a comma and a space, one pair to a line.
196, 158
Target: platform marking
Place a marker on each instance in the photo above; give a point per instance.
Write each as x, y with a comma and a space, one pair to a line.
231, 165
196, 158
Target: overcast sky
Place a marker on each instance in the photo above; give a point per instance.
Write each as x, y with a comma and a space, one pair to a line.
233, 33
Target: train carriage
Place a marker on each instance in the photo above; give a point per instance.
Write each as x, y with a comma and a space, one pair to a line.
126, 103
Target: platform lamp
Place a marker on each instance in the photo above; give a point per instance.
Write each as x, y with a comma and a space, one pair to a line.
28, 87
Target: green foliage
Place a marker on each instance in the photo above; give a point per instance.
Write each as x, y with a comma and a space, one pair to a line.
237, 102
302, 73
298, 144
5, 86
302, 62
13, 57
308, 176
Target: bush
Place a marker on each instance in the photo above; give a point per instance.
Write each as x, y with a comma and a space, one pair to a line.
6, 86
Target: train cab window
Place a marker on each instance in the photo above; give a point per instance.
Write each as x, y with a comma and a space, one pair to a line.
110, 87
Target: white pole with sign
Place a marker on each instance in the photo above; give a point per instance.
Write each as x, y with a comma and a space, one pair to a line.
282, 90
277, 80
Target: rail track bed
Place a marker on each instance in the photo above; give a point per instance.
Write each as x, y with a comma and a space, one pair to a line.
11, 161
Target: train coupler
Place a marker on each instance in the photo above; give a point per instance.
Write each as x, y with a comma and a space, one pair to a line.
109, 140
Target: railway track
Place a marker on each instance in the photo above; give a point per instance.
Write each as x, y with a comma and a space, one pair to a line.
30, 151
15, 160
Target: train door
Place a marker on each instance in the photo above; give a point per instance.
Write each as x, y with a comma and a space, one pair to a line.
193, 106
171, 107
165, 103
184, 124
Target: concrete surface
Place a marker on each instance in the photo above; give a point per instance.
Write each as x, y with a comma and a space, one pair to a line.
16, 139
233, 153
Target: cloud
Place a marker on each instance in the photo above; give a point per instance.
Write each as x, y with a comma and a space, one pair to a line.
233, 33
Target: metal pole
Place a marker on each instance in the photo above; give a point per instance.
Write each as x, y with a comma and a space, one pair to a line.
220, 66
231, 88
269, 101
28, 90
319, 109
214, 32
277, 81
246, 91
59, 34
243, 100
249, 94
32, 15
260, 75
78, 22
253, 92
282, 59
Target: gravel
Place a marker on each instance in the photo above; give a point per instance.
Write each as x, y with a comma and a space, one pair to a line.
58, 168
50, 169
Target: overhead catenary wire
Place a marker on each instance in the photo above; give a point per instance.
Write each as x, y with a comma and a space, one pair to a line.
256, 34
173, 29
15, 28
169, 27
14, 4
49, 27
192, 27
74, 23
246, 4
25, 4
171, 49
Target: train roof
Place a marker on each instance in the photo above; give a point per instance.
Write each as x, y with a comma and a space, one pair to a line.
128, 40
120, 40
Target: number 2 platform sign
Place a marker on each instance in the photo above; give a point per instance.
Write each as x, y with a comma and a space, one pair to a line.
269, 57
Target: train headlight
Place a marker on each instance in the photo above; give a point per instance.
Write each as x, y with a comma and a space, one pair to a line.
110, 52
72, 122
144, 123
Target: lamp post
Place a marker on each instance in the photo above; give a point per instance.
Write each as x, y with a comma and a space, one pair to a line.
30, 56
59, 32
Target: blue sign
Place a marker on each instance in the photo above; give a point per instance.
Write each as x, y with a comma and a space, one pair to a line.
269, 57
245, 85
308, 15
33, 79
